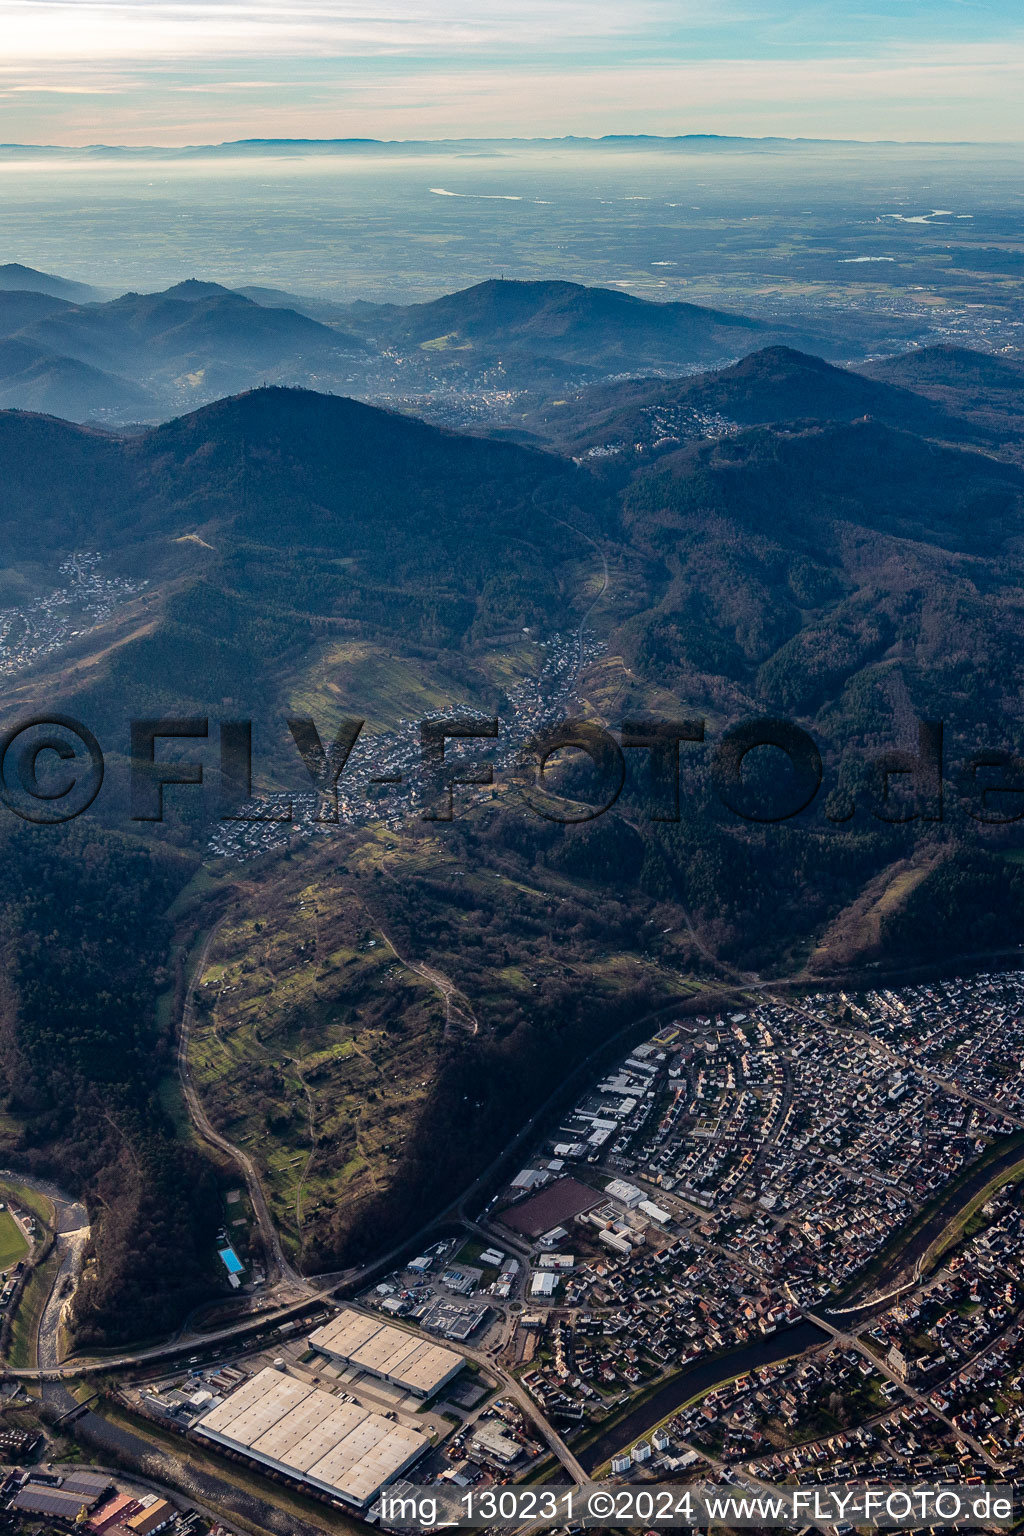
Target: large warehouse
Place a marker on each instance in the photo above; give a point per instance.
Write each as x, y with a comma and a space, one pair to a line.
340, 1448
388, 1353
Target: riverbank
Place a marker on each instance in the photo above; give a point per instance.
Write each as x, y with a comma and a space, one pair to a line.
694, 1380
905, 1256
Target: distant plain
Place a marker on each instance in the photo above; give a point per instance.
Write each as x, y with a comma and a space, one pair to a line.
930, 234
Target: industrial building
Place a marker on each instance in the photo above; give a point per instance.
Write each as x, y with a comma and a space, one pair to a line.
63, 1497
452, 1320
388, 1353
112, 1513
152, 1517
491, 1443
310, 1435
617, 1242
38, 1499
627, 1194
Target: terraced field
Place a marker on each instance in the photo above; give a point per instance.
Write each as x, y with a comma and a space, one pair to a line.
313, 1046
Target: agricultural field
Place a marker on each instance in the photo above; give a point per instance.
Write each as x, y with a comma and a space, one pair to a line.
343, 985
313, 1046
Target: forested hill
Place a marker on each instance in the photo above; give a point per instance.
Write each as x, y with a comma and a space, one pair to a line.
288, 467
772, 385
591, 327
796, 565
855, 568
146, 357
828, 571
83, 1056
264, 523
984, 389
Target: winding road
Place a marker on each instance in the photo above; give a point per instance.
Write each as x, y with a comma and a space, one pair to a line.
457, 1011
276, 1256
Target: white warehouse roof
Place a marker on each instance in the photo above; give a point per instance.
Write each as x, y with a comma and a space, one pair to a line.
392, 1353
307, 1433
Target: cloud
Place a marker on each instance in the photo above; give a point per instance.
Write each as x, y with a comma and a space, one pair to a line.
201, 29
947, 94
200, 70
43, 88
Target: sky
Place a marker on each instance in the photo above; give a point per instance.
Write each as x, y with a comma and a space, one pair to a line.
203, 71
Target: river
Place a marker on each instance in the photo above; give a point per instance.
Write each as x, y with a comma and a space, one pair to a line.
699, 1377
905, 1259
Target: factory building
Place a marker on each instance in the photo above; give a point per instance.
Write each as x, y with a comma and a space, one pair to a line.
491, 1443
337, 1447
627, 1194
390, 1354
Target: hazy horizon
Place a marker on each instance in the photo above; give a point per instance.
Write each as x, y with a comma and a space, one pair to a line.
602, 140
725, 228
196, 71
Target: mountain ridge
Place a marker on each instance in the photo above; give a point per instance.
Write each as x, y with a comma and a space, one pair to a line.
204, 340
771, 385
242, 146
13, 275
296, 554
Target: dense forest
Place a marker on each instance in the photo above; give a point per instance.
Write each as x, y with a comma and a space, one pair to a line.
82, 1055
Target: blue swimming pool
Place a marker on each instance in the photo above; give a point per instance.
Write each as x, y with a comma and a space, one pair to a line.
232, 1263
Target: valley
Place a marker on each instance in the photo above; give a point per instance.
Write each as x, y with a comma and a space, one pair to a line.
282, 1066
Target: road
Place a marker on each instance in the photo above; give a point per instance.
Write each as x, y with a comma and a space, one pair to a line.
936, 1081
511, 1388
323, 1287
458, 1015
854, 1341
300, 1291
180, 1473
605, 584
279, 1266
581, 631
